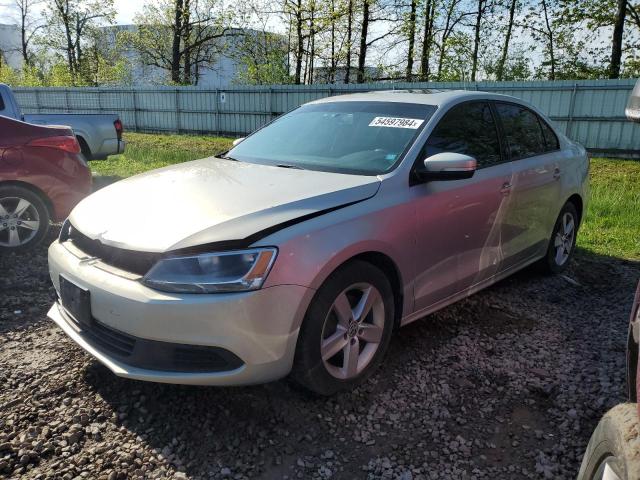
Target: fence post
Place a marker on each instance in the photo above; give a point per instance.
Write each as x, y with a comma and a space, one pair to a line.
572, 104
38, 99
66, 100
178, 119
135, 109
216, 116
269, 104
99, 93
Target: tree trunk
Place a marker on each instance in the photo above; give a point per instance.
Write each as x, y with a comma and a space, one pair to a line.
23, 31
445, 36
331, 78
616, 42
186, 40
507, 39
175, 46
300, 44
362, 56
476, 40
349, 34
552, 53
412, 39
427, 40
312, 41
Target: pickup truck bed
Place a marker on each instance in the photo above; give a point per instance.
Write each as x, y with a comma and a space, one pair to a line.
99, 135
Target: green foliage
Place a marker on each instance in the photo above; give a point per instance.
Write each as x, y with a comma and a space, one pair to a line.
611, 224
263, 60
456, 65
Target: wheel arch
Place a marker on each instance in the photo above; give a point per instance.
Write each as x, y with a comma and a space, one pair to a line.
29, 186
577, 202
386, 264
84, 147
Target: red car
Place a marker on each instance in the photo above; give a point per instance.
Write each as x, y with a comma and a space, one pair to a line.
43, 176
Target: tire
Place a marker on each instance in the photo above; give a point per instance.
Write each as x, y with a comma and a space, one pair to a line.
336, 330
24, 219
553, 262
614, 446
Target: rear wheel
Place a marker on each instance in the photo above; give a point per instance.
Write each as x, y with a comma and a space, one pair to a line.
24, 218
563, 240
346, 331
612, 452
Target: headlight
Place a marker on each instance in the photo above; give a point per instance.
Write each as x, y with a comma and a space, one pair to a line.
236, 271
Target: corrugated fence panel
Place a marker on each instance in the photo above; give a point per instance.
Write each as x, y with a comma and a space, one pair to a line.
589, 111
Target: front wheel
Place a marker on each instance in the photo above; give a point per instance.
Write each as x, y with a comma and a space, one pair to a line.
563, 240
346, 331
24, 218
612, 452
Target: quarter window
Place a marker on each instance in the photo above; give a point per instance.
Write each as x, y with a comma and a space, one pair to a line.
470, 129
522, 131
551, 139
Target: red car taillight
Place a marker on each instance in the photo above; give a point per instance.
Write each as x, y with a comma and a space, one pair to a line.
67, 143
119, 128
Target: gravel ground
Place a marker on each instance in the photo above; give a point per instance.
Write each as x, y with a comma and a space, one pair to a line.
506, 384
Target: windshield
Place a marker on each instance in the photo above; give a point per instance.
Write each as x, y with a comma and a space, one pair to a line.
346, 137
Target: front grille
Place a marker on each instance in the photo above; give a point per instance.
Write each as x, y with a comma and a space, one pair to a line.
153, 354
111, 340
128, 260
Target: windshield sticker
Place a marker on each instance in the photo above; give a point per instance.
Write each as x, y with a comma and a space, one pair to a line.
395, 122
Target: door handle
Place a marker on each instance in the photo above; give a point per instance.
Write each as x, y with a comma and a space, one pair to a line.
556, 173
506, 188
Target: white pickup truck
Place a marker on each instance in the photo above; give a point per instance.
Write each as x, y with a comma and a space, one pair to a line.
99, 135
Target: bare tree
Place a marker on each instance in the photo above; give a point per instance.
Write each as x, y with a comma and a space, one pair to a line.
427, 38
180, 36
69, 23
507, 40
29, 26
411, 33
616, 42
481, 9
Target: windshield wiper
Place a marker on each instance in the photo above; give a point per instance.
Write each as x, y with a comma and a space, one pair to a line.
224, 156
287, 165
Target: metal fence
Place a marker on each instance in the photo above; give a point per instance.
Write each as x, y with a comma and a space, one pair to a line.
589, 111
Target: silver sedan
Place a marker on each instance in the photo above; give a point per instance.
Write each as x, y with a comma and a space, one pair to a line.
301, 249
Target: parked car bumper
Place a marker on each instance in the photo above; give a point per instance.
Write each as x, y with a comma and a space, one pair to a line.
204, 339
111, 146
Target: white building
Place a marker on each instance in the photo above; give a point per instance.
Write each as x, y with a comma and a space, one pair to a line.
10, 46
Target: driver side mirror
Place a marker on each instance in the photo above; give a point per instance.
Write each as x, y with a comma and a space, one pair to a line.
446, 166
238, 140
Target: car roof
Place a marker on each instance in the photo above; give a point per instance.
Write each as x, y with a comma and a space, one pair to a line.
424, 97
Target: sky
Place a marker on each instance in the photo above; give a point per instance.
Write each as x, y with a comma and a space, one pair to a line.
126, 10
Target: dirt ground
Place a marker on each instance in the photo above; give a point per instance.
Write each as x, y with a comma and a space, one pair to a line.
506, 384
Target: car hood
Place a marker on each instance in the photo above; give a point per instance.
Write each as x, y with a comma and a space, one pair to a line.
210, 200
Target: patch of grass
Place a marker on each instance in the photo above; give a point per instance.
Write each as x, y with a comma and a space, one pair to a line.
148, 151
612, 223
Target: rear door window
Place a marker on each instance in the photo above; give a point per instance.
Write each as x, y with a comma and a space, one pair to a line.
522, 131
470, 129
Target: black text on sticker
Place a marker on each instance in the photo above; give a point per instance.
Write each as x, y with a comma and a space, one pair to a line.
396, 122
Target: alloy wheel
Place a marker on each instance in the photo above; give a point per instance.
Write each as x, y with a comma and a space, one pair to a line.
352, 331
605, 472
19, 221
563, 241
